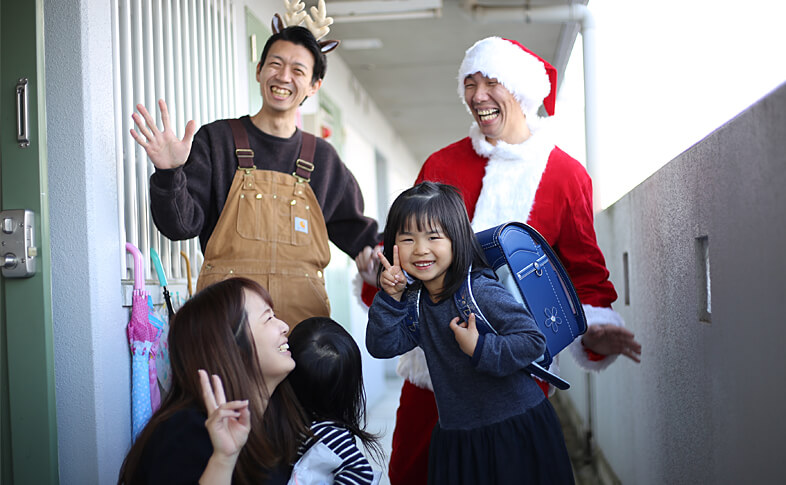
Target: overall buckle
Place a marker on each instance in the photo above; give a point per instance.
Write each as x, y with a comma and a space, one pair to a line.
303, 170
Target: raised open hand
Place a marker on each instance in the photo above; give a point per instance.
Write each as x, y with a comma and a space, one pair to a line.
163, 147
228, 423
466, 334
392, 279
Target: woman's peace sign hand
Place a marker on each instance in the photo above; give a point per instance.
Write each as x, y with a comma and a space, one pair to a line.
228, 423
392, 279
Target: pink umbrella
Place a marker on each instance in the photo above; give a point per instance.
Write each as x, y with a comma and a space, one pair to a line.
143, 339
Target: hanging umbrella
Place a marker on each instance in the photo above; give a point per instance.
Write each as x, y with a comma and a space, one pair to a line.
155, 363
141, 337
160, 367
178, 301
162, 281
188, 272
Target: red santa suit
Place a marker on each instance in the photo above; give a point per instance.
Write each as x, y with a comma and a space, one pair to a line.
533, 181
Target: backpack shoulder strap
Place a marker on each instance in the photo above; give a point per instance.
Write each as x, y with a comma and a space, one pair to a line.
243, 151
412, 301
466, 304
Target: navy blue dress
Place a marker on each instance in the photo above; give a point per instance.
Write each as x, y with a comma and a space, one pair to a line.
495, 425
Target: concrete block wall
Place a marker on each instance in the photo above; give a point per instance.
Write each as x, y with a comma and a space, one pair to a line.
705, 405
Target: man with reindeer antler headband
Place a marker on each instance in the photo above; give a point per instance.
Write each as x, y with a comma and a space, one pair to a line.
263, 196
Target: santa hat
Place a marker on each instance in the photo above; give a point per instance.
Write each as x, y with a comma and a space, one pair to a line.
529, 78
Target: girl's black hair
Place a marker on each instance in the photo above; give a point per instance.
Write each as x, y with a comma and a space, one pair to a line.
328, 377
299, 36
427, 205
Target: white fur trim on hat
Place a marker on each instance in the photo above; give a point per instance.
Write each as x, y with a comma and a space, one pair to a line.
595, 316
521, 73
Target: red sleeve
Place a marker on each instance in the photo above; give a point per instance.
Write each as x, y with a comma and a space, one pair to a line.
563, 214
592, 356
578, 248
367, 293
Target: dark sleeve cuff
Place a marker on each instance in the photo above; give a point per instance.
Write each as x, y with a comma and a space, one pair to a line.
478, 348
392, 301
165, 178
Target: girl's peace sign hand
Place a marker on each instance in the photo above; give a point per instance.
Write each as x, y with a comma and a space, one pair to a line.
228, 423
392, 278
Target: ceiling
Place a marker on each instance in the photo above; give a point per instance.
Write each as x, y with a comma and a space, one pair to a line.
412, 76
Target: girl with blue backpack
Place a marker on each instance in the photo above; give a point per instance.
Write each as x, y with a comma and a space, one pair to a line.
495, 425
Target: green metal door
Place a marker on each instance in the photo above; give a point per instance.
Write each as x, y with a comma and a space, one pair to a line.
27, 379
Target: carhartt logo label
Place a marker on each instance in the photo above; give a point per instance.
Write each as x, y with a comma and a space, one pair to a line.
301, 225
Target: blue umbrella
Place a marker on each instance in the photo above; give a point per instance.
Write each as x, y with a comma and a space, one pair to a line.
161, 362
162, 281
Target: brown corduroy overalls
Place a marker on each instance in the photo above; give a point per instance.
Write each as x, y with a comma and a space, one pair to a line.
272, 230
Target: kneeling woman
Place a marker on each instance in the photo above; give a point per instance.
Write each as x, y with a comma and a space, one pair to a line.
227, 330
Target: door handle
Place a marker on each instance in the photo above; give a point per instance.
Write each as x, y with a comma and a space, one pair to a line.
22, 136
17, 243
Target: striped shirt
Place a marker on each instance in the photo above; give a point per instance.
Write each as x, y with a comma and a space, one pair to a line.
354, 468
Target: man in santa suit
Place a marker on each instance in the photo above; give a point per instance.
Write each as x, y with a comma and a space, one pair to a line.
508, 169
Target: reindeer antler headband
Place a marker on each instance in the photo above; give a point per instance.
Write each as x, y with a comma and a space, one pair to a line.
317, 23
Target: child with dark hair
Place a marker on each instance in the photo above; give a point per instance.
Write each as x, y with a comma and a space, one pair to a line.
328, 381
495, 425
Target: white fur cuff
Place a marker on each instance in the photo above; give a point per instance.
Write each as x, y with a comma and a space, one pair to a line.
595, 316
357, 287
412, 367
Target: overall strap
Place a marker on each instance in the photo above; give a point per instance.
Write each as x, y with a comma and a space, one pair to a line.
243, 151
305, 163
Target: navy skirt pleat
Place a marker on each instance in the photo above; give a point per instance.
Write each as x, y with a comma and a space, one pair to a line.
524, 449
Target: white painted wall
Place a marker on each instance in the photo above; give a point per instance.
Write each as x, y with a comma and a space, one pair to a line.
92, 373
361, 115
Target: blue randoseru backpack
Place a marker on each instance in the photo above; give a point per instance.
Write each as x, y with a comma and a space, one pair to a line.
529, 268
